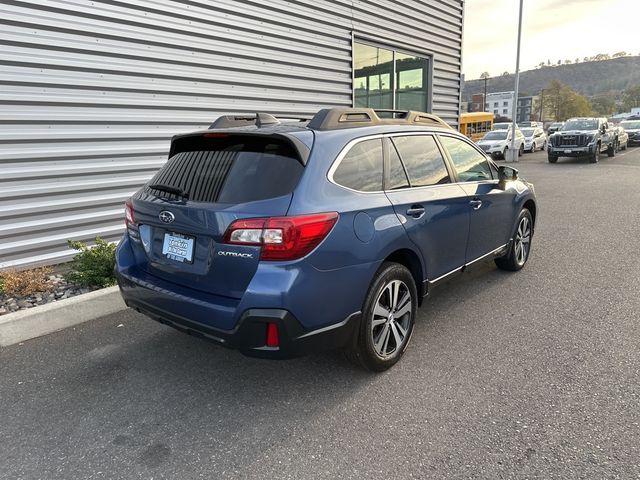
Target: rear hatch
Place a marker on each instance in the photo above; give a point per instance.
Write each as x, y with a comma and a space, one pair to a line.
210, 180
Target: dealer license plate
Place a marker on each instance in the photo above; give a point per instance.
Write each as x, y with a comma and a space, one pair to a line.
567, 151
178, 247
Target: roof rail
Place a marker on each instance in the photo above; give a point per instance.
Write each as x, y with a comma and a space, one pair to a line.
335, 118
259, 119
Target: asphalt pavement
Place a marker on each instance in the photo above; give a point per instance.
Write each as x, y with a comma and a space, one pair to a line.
526, 375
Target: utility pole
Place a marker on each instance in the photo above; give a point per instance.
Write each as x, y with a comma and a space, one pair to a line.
542, 107
512, 153
484, 98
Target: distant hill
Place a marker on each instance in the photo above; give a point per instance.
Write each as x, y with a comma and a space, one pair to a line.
587, 78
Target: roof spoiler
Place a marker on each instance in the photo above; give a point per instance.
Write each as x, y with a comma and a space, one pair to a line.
259, 120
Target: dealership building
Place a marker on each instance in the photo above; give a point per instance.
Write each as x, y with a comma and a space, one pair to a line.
92, 91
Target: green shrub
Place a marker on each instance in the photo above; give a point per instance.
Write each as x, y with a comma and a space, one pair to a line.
93, 266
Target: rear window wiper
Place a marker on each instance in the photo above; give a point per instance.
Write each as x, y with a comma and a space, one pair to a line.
169, 189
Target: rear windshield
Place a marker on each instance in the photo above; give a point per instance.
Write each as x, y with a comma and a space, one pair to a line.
632, 125
234, 169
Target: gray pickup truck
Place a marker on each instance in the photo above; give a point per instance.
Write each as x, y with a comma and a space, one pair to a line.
582, 137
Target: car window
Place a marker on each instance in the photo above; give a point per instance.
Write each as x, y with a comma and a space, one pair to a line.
397, 176
423, 160
470, 165
237, 169
361, 167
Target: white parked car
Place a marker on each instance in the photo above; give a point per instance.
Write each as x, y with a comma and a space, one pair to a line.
497, 142
534, 139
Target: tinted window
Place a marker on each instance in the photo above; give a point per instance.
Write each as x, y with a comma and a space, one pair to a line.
230, 170
361, 168
470, 164
423, 160
397, 176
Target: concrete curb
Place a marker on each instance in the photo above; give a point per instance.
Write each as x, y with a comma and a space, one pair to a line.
38, 321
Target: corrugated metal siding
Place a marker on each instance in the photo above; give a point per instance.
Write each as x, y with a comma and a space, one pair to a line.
91, 92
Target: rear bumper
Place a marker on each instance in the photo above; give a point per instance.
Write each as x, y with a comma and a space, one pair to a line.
249, 334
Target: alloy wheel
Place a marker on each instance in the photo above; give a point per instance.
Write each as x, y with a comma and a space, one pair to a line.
523, 240
390, 325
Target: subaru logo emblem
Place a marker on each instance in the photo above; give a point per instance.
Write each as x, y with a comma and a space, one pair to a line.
166, 216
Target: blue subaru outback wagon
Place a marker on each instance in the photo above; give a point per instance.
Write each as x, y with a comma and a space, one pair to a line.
283, 238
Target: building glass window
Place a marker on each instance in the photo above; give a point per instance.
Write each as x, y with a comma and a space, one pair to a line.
375, 85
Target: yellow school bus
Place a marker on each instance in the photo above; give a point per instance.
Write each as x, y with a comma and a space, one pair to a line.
475, 124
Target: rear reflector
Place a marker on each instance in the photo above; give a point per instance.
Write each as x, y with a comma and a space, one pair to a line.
273, 339
282, 238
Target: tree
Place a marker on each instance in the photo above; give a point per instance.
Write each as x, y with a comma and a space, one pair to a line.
620, 54
541, 65
505, 74
602, 56
631, 98
484, 75
604, 104
577, 60
567, 62
563, 102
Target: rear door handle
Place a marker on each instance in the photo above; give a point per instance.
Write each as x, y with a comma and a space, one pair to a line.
416, 211
476, 203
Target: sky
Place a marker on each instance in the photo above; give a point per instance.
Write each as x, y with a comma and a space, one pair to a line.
551, 30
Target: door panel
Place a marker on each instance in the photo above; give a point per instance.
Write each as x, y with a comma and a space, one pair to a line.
433, 211
441, 231
491, 220
491, 208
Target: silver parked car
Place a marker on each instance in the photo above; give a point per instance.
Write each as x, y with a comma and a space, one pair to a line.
534, 139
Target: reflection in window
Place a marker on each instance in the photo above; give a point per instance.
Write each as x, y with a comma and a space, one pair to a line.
375, 85
470, 164
411, 93
423, 160
361, 168
372, 76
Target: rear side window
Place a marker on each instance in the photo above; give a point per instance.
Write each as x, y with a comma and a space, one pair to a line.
471, 165
361, 167
423, 160
236, 169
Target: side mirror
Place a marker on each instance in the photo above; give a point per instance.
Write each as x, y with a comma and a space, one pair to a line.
603, 129
506, 174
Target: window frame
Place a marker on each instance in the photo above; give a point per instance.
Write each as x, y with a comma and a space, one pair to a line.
395, 49
385, 137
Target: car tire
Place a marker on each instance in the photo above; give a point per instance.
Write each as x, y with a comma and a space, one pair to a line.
595, 156
520, 247
382, 338
552, 158
521, 150
611, 151
504, 153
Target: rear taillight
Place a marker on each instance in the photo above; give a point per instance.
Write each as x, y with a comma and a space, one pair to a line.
129, 217
282, 238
